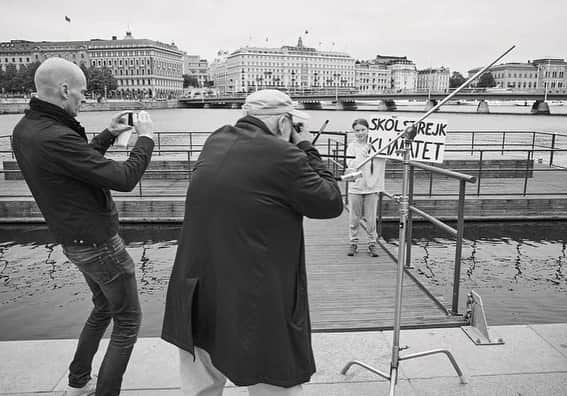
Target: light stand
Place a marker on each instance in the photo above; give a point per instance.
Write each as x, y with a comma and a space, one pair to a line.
407, 135
396, 358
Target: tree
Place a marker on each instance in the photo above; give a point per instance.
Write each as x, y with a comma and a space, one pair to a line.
486, 80
28, 74
456, 80
190, 81
99, 78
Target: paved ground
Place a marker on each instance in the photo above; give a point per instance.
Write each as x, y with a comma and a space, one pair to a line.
533, 361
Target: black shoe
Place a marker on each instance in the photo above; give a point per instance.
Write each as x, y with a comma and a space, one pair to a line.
372, 250
352, 250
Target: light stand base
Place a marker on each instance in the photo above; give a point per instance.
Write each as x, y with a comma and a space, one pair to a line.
393, 377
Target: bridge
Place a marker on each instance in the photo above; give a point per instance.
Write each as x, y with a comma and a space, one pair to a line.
384, 101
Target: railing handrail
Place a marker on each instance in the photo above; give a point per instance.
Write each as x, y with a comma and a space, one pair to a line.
445, 172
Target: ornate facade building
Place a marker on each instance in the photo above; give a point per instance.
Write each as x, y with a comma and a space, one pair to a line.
539, 75
142, 67
433, 80
296, 69
372, 78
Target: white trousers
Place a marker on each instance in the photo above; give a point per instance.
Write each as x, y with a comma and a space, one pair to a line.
362, 208
201, 378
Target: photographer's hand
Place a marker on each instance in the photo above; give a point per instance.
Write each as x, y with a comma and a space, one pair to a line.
144, 125
119, 123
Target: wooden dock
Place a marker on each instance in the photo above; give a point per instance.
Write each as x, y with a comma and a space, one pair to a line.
357, 293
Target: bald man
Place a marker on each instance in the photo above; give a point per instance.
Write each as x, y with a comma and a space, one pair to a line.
71, 180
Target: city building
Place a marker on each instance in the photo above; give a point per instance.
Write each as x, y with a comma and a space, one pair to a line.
195, 66
403, 72
372, 78
552, 74
539, 75
142, 67
433, 80
297, 69
22, 52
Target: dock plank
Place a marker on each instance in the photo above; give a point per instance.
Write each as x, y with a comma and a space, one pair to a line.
358, 292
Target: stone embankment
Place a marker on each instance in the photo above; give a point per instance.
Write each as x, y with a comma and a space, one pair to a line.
20, 107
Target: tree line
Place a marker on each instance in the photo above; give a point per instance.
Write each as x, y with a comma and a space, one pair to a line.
19, 81
486, 80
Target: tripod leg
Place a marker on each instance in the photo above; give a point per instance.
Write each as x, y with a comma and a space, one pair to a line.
367, 367
446, 353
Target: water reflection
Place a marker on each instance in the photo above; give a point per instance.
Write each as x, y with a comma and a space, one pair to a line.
517, 267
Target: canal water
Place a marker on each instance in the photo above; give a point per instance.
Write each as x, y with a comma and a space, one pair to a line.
519, 269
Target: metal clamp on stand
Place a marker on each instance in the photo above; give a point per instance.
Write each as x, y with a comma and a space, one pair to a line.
408, 135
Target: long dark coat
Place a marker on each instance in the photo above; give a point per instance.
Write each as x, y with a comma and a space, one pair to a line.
238, 288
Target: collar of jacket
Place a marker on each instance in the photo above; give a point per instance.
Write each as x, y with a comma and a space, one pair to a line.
254, 121
56, 113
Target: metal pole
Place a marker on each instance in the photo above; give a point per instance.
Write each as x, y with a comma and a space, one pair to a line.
459, 248
409, 229
479, 172
380, 210
530, 155
552, 150
404, 209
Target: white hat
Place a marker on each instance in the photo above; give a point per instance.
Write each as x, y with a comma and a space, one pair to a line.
271, 102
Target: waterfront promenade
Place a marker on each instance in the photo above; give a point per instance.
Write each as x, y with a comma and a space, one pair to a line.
532, 362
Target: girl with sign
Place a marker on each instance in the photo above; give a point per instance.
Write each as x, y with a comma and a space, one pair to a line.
363, 192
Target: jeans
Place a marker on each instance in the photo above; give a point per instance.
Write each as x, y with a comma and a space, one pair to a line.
199, 377
363, 206
109, 272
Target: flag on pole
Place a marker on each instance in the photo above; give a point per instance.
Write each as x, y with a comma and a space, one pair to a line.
67, 18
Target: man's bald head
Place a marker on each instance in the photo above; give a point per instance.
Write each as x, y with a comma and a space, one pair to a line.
61, 83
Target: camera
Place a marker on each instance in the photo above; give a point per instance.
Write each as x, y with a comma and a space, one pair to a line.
131, 118
298, 126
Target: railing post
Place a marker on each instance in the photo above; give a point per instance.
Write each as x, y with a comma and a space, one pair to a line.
159, 142
11, 147
409, 229
530, 155
459, 248
533, 140
430, 183
190, 145
552, 150
189, 165
472, 142
479, 172
503, 142
345, 142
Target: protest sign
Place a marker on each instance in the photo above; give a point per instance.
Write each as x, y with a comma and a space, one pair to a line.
428, 145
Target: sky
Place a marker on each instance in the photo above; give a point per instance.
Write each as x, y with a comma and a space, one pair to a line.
457, 34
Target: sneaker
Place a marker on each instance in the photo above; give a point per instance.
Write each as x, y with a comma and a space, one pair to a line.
88, 389
372, 250
352, 250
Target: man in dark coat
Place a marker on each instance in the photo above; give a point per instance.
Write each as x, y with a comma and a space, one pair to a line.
237, 299
71, 180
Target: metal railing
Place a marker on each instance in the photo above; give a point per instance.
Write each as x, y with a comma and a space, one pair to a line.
525, 178
456, 233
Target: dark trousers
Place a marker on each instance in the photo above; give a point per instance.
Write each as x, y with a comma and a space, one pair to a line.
109, 272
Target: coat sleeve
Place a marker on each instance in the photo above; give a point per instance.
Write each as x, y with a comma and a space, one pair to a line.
102, 141
71, 156
314, 191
